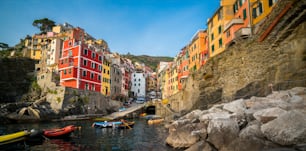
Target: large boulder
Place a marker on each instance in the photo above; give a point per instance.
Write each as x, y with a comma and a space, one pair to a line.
288, 129
221, 132
182, 136
236, 106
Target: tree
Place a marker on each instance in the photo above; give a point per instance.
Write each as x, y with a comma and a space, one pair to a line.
44, 24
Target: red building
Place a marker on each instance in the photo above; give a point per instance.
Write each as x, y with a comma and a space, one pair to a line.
79, 66
183, 70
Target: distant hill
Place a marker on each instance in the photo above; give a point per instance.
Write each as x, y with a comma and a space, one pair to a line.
151, 61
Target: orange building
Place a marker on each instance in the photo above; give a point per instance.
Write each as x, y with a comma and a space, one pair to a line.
196, 46
204, 55
240, 25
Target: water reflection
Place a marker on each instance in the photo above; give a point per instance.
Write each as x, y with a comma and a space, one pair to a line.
141, 137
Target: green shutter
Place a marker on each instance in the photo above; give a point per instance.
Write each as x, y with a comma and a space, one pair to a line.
244, 14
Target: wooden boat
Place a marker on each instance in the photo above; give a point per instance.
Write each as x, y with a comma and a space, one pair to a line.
113, 124
14, 137
60, 132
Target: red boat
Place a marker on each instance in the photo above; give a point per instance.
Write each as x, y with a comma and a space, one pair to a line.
60, 132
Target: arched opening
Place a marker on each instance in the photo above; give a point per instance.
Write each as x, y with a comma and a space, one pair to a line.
150, 110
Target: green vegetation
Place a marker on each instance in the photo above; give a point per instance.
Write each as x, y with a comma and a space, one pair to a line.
151, 61
44, 24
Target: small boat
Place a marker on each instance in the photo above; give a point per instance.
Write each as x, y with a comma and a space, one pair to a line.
155, 121
106, 124
14, 137
113, 124
60, 132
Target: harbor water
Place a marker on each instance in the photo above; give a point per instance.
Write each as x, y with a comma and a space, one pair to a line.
142, 137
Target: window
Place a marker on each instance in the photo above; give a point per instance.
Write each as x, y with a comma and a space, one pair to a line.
103, 70
108, 72
100, 68
69, 53
99, 77
84, 73
69, 71
91, 75
138, 84
85, 51
254, 14
240, 3
272, 2
219, 29
260, 8
93, 65
220, 42
85, 62
212, 48
93, 55
100, 58
228, 34
212, 36
92, 87
86, 86
244, 14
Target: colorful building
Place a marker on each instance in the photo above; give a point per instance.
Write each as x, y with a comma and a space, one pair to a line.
260, 9
182, 65
240, 25
216, 25
173, 80
105, 83
196, 46
80, 67
204, 55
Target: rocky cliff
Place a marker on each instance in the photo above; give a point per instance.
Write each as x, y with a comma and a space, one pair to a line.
252, 68
17, 75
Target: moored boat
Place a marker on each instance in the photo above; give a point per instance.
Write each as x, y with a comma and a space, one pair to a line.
155, 121
14, 137
60, 132
113, 124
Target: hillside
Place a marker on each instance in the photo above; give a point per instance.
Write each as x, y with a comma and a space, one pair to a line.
151, 61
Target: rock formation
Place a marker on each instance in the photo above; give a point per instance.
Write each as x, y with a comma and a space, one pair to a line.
258, 123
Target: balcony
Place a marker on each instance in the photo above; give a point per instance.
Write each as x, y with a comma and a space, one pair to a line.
233, 22
243, 32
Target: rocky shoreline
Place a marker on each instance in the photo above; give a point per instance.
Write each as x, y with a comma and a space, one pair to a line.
277, 121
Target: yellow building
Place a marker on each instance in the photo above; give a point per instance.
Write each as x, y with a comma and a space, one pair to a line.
105, 86
216, 26
173, 80
196, 46
260, 9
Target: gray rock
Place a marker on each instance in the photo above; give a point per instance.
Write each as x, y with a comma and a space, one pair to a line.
236, 106
221, 132
182, 137
269, 114
288, 129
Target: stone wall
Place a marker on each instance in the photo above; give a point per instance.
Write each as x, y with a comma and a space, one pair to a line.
251, 68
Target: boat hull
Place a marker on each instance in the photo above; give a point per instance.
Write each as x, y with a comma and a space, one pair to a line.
59, 132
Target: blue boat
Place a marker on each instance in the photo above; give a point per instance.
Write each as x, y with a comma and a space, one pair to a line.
113, 124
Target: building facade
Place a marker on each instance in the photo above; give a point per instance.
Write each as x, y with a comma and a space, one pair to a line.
138, 84
80, 67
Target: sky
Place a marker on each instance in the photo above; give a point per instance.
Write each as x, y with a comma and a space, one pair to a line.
140, 27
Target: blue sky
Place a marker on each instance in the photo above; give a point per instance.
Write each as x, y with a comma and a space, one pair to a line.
151, 27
